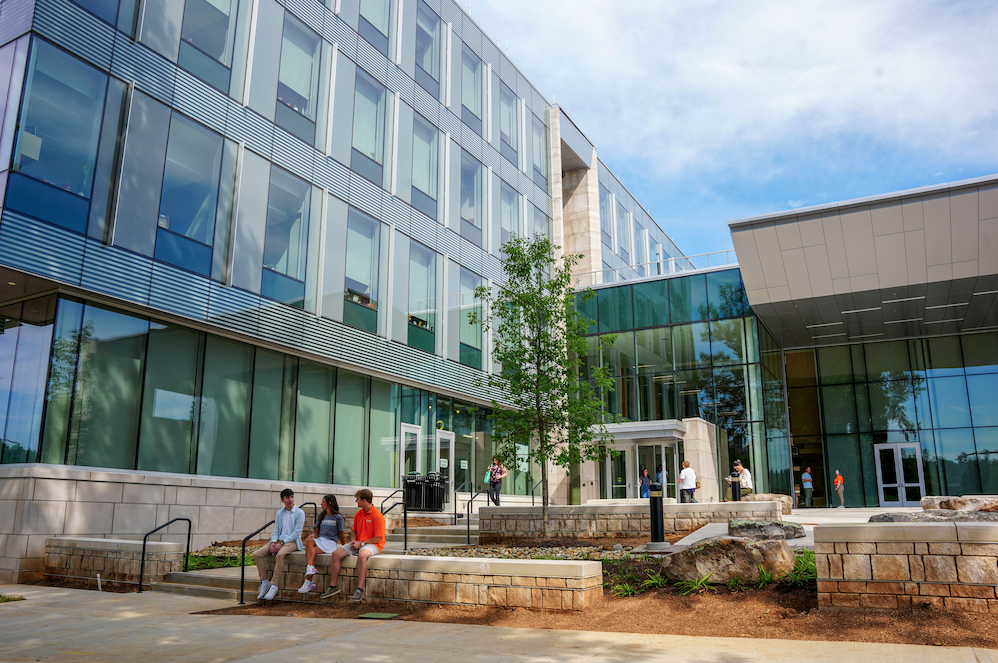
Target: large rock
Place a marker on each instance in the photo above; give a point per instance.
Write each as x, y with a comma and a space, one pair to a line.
937, 516
950, 503
765, 529
786, 502
724, 557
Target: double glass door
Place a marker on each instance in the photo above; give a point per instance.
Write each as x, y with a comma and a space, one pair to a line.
624, 470
899, 474
423, 454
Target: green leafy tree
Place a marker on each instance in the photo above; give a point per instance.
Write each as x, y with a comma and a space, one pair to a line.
553, 405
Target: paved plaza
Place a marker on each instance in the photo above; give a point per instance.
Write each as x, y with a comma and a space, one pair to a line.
69, 625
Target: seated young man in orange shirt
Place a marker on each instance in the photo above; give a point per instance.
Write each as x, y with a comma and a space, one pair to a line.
366, 539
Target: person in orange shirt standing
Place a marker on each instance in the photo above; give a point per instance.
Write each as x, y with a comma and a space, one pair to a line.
840, 489
366, 540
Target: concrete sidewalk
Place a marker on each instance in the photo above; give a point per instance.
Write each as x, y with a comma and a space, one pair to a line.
79, 625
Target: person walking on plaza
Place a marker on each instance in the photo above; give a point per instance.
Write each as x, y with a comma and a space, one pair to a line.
288, 524
330, 528
497, 472
808, 484
367, 538
687, 483
645, 483
840, 489
744, 480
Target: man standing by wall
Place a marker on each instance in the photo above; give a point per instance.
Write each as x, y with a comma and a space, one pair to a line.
288, 524
808, 484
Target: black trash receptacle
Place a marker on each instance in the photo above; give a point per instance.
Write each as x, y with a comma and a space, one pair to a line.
412, 491
434, 492
736, 487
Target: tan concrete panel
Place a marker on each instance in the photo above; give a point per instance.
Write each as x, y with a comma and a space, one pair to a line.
796, 270
768, 247
89, 517
988, 201
892, 263
143, 493
54, 489
912, 215
831, 224
962, 270
887, 218
134, 518
98, 491
877, 532
811, 231
914, 249
857, 232
988, 238
964, 225
938, 235
936, 273
43, 518
818, 272
789, 235
977, 532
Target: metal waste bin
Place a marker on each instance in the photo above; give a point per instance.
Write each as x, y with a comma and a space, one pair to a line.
433, 492
413, 486
736, 487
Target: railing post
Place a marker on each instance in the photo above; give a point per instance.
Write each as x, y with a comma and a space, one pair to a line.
242, 562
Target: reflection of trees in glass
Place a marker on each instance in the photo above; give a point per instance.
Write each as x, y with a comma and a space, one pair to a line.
892, 398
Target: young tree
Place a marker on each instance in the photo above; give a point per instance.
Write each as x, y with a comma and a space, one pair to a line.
552, 404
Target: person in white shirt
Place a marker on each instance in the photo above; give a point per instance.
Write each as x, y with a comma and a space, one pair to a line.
744, 480
687, 483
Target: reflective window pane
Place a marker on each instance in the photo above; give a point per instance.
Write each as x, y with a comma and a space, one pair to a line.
471, 198
27, 385
509, 212
275, 387
620, 357
223, 434
688, 299
726, 294
654, 350
369, 114
887, 361
958, 461
982, 390
350, 429
422, 296
470, 332
424, 161
539, 152
314, 422
287, 225
980, 353
691, 345
623, 234
471, 88
362, 261
298, 79
616, 310
374, 20
508, 125
428, 44
605, 217
383, 446
651, 304
949, 403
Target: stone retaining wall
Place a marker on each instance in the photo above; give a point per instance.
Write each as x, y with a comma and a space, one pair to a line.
391, 579
497, 524
113, 559
883, 566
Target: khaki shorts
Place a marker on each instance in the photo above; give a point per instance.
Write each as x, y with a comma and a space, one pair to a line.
356, 551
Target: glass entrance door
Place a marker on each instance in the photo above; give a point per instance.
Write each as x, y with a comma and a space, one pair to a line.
445, 462
410, 449
618, 477
649, 457
899, 474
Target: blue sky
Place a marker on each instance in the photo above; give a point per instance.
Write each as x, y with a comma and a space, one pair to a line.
713, 111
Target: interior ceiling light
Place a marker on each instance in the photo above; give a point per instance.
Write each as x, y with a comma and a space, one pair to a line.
862, 310
824, 324
11, 283
986, 292
867, 335
946, 305
939, 322
898, 322
902, 299
830, 335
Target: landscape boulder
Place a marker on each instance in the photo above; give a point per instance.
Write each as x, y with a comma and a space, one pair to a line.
950, 503
765, 529
937, 516
786, 502
725, 557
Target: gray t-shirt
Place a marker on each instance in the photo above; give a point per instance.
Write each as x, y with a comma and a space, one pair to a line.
331, 526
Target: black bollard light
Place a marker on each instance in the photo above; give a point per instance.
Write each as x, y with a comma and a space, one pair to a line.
657, 519
736, 487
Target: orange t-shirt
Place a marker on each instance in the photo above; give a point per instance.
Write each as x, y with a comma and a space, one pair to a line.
839, 479
369, 524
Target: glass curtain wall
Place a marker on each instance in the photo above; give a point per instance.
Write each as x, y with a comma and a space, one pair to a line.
422, 297
605, 218
286, 238
206, 38
370, 110
83, 384
470, 332
425, 145
360, 306
471, 89
539, 133
508, 124
472, 203
623, 234
509, 212
428, 49
375, 17
298, 79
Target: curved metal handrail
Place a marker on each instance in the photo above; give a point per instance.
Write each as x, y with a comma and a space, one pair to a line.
142, 563
405, 517
468, 506
242, 562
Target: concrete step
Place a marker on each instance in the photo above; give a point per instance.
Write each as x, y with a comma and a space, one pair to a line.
194, 578
206, 591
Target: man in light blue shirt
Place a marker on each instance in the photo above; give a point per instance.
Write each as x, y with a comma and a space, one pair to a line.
806, 482
288, 525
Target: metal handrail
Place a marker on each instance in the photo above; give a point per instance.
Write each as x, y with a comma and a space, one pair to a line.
532, 492
315, 510
242, 562
673, 265
456, 491
468, 506
142, 563
405, 517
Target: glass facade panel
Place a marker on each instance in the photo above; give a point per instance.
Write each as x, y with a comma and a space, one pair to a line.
472, 204
284, 247
508, 125
654, 350
726, 294
539, 153
383, 454
980, 353
982, 389
424, 166
374, 20
958, 461
623, 234
541, 225
298, 80
314, 423
691, 344
509, 212
471, 89
949, 402
605, 217
274, 388
470, 332
223, 432
362, 261
892, 405
620, 357
834, 366
27, 383
428, 49
369, 116
422, 297
351, 434
64, 360
688, 299
887, 361
206, 40
169, 412
616, 310
729, 343
651, 304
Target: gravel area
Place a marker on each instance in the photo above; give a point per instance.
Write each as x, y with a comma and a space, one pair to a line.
507, 552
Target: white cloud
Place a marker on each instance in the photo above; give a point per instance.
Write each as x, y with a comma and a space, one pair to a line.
715, 91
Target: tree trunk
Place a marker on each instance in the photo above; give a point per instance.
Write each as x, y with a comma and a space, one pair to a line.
544, 499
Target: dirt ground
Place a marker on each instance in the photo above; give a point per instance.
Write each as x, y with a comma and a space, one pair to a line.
778, 611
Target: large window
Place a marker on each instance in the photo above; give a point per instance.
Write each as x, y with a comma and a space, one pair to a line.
541, 223
623, 234
471, 198
360, 308
57, 138
375, 18
471, 89
605, 217
422, 297
509, 212
640, 258
298, 82
470, 332
207, 36
508, 124
540, 152
424, 166
190, 196
284, 246
428, 49
369, 115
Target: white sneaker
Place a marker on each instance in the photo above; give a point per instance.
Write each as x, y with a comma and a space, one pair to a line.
264, 586
311, 570
271, 593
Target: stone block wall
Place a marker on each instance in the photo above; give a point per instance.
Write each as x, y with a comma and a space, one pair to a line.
501, 523
42, 501
884, 566
112, 559
392, 579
